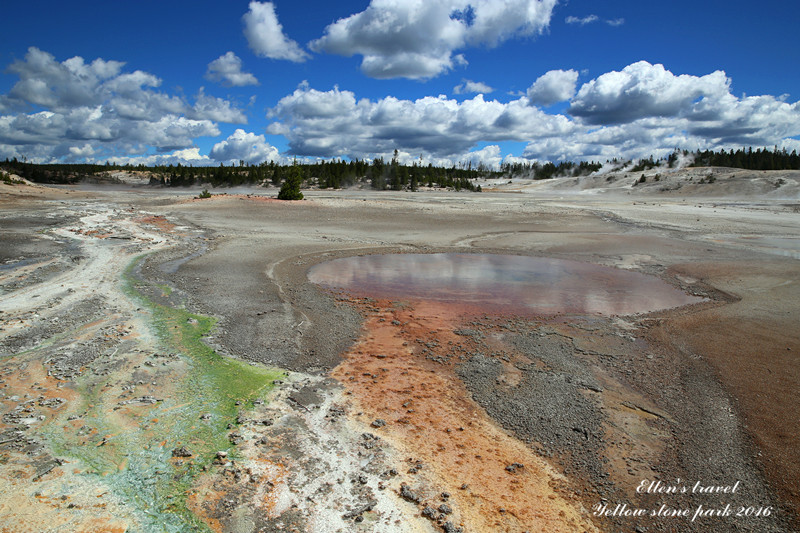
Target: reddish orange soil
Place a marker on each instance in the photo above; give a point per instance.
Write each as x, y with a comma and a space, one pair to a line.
157, 221
430, 415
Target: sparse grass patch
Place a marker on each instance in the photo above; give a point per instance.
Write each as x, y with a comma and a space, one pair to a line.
166, 290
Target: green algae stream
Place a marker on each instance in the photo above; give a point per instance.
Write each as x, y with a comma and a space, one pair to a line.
130, 443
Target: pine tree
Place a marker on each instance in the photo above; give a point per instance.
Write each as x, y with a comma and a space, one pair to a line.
290, 190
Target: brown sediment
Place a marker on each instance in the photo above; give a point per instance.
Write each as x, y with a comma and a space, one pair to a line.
754, 346
496, 482
632, 442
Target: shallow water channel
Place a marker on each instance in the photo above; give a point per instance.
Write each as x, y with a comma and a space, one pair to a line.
501, 283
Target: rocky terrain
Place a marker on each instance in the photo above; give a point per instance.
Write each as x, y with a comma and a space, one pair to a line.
165, 365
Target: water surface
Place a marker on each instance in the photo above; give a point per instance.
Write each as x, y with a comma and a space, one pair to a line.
533, 285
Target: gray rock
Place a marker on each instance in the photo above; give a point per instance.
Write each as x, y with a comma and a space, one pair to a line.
407, 494
183, 451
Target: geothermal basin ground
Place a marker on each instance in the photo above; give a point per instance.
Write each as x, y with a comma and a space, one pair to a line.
167, 363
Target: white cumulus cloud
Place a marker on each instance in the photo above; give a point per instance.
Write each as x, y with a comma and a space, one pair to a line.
418, 39
645, 109
553, 86
48, 83
73, 109
644, 90
640, 111
186, 156
490, 156
265, 34
227, 70
216, 109
472, 87
76, 110
245, 146
335, 123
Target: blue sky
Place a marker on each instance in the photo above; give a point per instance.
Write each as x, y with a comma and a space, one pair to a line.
206, 82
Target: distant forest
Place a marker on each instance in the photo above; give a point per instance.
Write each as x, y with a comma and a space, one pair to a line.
746, 159
391, 175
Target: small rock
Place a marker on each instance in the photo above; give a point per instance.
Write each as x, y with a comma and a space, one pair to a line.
183, 451
513, 467
409, 495
448, 527
378, 423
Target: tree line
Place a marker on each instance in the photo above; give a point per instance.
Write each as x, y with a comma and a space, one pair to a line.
749, 159
392, 175
542, 171
334, 174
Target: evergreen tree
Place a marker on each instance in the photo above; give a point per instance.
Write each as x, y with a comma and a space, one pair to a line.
378, 179
290, 190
